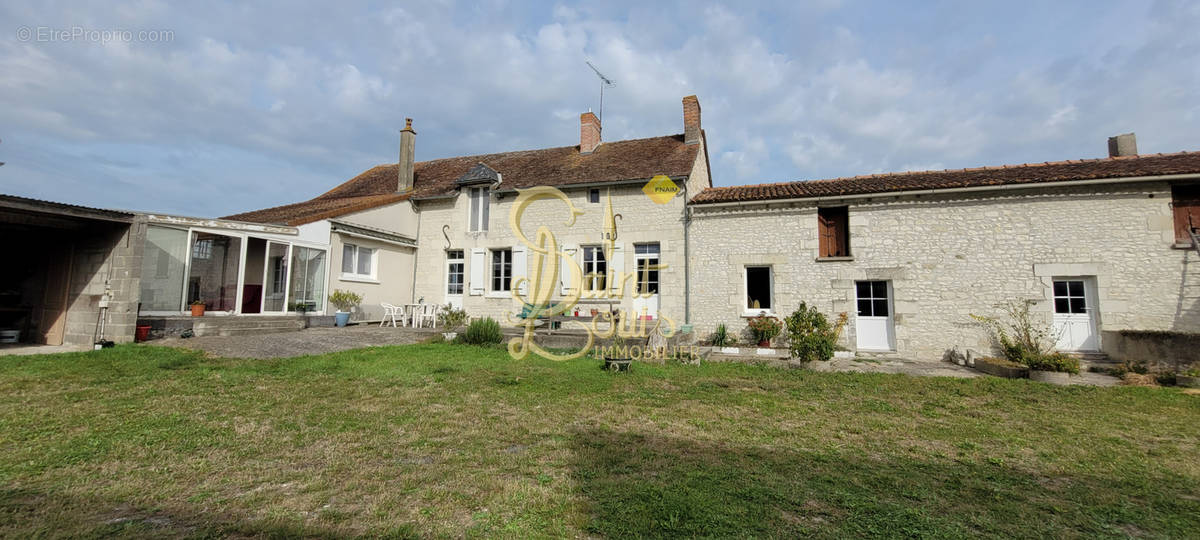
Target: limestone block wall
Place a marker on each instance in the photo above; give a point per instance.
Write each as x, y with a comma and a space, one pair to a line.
642, 220
948, 256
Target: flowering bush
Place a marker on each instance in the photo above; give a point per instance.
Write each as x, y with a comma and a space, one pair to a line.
765, 328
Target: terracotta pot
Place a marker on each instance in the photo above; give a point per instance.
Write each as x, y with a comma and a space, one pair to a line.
198, 310
764, 343
595, 312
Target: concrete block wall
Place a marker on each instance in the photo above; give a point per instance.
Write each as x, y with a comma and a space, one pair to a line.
109, 256
949, 256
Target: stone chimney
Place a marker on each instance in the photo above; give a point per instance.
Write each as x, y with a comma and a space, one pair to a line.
1122, 145
404, 172
589, 132
691, 120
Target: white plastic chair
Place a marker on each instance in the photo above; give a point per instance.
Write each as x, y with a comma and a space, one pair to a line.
390, 312
428, 312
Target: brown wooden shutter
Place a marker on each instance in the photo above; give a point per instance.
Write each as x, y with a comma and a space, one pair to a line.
1185, 201
833, 231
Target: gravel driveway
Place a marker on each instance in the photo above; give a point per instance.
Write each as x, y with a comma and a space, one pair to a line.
304, 342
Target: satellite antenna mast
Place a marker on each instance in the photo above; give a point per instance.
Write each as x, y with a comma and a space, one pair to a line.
604, 82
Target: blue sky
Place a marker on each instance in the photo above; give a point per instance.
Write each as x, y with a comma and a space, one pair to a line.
253, 105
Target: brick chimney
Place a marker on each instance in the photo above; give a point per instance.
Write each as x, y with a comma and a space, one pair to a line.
691, 120
1122, 145
589, 132
404, 172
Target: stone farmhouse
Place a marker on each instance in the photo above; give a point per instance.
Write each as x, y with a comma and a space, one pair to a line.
1102, 246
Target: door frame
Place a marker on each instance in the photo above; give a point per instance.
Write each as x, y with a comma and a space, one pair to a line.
890, 329
462, 260
1091, 299
287, 275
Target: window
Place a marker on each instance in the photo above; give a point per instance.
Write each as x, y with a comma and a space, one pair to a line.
872, 298
1185, 203
595, 269
833, 231
594, 195
479, 209
454, 272
501, 269
1069, 296
646, 256
202, 249
358, 261
758, 288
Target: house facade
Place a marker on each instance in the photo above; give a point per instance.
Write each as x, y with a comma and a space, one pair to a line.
1101, 248
909, 258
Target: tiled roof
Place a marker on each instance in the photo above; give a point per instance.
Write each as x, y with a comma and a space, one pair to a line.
1028, 173
562, 166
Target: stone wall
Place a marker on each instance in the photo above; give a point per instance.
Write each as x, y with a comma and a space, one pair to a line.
949, 256
642, 220
1171, 352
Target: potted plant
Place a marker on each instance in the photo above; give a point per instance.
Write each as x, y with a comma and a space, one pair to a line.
617, 357
452, 320
344, 301
764, 328
1189, 378
197, 308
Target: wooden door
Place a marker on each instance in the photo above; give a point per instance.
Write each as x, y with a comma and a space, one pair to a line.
52, 320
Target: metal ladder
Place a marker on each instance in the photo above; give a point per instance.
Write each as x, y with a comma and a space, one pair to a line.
1194, 235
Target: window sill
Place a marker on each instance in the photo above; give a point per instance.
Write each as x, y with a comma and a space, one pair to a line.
753, 314
500, 294
1181, 245
835, 259
358, 279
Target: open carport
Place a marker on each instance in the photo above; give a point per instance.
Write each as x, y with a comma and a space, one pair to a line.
71, 273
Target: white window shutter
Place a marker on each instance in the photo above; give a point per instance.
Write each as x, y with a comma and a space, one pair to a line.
616, 267
519, 268
564, 269
478, 263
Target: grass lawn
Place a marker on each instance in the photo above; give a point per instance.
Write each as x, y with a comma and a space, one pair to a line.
443, 440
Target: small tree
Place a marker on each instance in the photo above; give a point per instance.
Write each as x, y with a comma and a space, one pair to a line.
344, 300
810, 335
452, 318
1024, 340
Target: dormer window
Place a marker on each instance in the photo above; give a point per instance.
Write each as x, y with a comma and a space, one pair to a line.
480, 199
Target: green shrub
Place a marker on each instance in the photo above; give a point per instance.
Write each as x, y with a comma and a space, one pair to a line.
722, 337
810, 335
485, 331
1054, 361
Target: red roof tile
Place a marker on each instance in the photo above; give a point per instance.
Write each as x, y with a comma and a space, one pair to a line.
1029, 173
562, 166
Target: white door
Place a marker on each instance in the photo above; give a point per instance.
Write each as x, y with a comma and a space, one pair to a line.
873, 325
1075, 314
454, 278
645, 298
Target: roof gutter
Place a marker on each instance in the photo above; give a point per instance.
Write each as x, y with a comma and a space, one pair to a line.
972, 189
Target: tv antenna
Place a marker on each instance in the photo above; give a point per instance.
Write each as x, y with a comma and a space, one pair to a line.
605, 82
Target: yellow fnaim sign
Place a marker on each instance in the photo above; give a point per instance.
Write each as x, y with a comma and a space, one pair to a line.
660, 189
